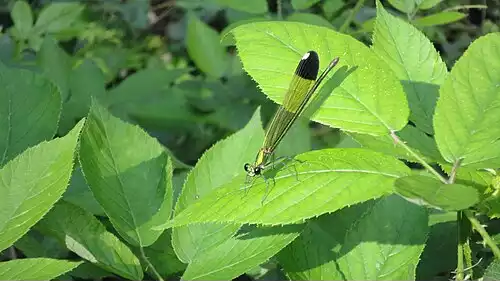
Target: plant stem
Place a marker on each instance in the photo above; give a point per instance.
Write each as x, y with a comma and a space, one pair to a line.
279, 9
480, 229
419, 159
460, 249
354, 11
453, 172
150, 265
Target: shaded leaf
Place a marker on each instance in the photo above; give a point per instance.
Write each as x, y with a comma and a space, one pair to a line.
55, 64
310, 19
303, 4
253, 7
451, 197
23, 18
57, 16
29, 111
439, 18
83, 234
492, 272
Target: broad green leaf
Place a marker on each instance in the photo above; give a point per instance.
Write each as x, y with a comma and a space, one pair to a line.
439, 18
303, 4
415, 62
29, 111
253, 7
32, 182
241, 253
55, 64
204, 49
468, 110
56, 17
23, 18
420, 143
440, 253
369, 241
84, 82
79, 194
450, 197
129, 174
492, 273
309, 19
35, 245
366, 97
405, 6
83, 234
162, 255
428, 4
35, 269
227, 38
228, 156
322, 182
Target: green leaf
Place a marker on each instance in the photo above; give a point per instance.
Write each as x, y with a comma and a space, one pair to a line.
421, 144
129, 174
204, 48
228, 156
55, 64
56, 17
405, 6
440, 253
492, 273
428, 4
32, 182
439, 18
369, 241
79, 194
252, 7
23, 18
325, 181
468, 110
84, 235
241, 253
29, 111
303, 4
162, 255
450, 197
84, 82
366, 97
309, 19
35, 269
415, 62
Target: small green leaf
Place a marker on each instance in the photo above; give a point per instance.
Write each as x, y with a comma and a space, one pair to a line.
129, 174
415, 62
405, 6
468, 110
366, 97
79, 194
421, 144
32, 182
241, 253
56, 17
439, 18
310, 19
303, 4
252, 7
428, 4
35, 269
23, 18
55, 64
84, 235
204, 48
450, 197
492, 273
29, 111
369, 241
220, 164
325, 181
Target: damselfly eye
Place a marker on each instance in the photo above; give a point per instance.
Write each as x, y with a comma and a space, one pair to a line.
246, 167
257, 170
